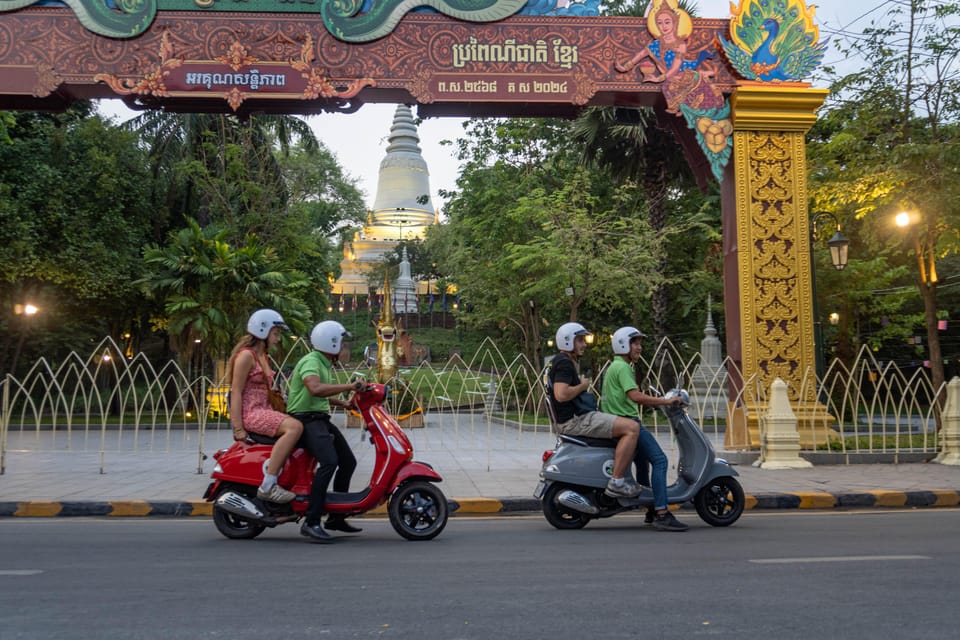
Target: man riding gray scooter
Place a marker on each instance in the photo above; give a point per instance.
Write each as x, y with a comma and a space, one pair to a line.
621, 396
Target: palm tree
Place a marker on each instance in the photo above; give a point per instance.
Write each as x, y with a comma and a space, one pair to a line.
206, 285
631, 144
176, 141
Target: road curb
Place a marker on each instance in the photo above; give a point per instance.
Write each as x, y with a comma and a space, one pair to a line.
868, 499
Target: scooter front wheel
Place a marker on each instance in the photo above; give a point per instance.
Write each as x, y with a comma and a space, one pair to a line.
720, 502
558, 515
418, 510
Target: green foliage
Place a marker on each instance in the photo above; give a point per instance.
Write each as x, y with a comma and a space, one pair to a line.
686, 264
74, 213
878, 442
7, 120
259, 201
591, 250
503, 162
209, 287
889, 141
553, 221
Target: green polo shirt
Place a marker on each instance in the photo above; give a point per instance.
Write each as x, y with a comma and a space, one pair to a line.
299, 398
617, 380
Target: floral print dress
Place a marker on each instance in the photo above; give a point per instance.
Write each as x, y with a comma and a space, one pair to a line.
258, 415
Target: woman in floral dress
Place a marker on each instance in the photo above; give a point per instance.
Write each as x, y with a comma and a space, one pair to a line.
250, 381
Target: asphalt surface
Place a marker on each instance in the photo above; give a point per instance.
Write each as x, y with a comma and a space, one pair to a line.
878, 574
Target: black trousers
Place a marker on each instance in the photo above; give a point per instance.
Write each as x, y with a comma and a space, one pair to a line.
335, 460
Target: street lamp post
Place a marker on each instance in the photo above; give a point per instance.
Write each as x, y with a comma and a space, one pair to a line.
839, 253
25, 311
925, 252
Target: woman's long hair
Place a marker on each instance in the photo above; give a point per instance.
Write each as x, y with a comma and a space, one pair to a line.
245, 342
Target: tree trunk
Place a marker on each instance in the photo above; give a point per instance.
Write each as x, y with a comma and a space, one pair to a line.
654, 192
929, 294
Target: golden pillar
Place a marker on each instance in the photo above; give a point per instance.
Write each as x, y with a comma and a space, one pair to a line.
768, 274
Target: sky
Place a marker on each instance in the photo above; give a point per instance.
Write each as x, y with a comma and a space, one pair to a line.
359, 140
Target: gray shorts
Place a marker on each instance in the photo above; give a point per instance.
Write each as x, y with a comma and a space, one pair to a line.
593, 425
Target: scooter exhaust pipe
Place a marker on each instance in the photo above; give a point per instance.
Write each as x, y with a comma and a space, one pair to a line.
239, 505
573, 500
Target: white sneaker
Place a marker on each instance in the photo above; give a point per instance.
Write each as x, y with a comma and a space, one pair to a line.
276, 494
629, 489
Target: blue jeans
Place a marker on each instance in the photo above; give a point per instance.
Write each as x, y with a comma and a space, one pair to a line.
650, 454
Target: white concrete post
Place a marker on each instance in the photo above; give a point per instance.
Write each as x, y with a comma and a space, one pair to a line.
780, 445
950, 432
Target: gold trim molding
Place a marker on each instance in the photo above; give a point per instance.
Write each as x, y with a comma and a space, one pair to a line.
775, 107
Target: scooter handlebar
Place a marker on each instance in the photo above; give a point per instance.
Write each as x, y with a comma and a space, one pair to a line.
680, 396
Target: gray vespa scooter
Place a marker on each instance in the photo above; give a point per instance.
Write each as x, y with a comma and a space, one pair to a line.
575, 474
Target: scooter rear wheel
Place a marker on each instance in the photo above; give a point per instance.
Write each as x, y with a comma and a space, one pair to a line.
558, 515
233, 526
418, 510
720, 503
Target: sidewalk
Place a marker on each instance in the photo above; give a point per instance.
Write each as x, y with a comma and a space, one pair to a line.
477, 480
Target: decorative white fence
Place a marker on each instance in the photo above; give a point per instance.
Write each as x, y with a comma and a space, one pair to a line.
107, 403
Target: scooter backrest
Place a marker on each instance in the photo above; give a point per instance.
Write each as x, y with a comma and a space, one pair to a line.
550, 412
548, 397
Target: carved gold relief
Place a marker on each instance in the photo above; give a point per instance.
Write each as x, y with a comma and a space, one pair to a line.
774, 262
152, 82
318, 84
47, 81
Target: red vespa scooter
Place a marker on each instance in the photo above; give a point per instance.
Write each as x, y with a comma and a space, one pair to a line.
417, 507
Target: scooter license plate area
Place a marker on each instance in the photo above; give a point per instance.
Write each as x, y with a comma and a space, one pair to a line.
538, 492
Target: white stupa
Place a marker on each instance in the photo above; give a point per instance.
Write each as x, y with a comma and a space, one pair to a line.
402, 210
404, 289
708, 382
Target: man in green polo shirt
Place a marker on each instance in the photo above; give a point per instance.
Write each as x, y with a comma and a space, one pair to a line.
311, 393
621, 396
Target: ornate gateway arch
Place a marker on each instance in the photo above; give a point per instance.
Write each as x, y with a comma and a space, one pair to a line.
730, 90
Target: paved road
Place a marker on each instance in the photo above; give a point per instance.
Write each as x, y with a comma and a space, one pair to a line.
786, 575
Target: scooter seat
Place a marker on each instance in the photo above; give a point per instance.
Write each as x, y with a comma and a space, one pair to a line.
261, 439
587, 441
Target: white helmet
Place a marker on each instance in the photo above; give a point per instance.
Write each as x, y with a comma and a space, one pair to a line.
622, 338
327, 337
262, 320
567, 332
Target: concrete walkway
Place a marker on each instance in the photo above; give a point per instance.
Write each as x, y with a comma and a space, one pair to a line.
484, 471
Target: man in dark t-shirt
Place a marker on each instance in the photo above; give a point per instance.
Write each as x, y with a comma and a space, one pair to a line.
576, 418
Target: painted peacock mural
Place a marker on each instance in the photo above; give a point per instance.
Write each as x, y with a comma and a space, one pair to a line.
773, 40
